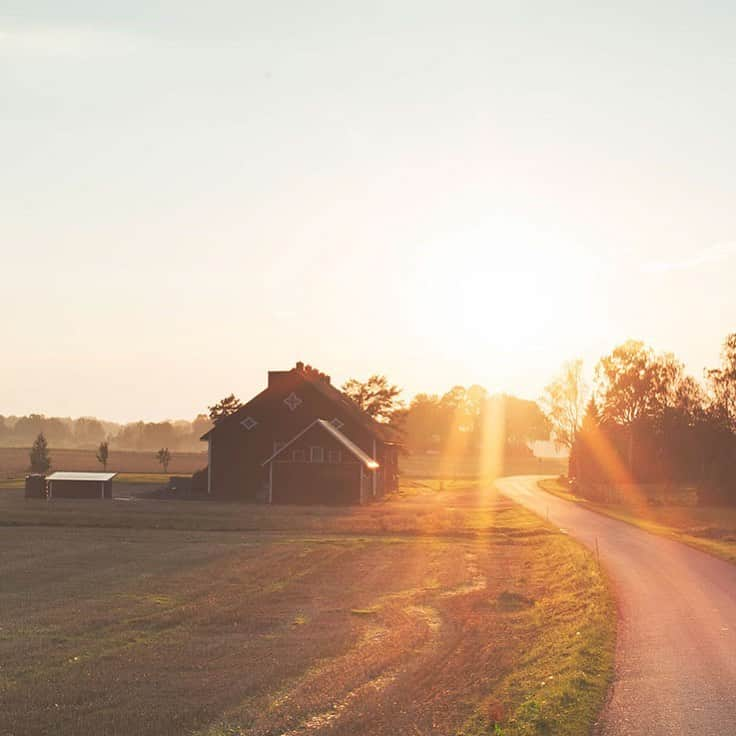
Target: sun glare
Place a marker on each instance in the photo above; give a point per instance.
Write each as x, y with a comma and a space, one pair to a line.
504, 299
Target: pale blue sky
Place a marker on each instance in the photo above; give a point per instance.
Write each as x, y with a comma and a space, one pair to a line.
445, 192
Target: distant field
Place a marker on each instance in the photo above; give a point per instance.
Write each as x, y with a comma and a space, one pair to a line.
14, 461
436, 466
453, 612
14, 464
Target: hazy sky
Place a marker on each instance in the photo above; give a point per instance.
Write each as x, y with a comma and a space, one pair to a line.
454, 192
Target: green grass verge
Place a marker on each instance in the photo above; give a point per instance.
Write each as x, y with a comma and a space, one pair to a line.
560, 684
689, 525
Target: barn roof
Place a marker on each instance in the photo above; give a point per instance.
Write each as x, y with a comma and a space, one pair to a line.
66, 475
239, 413
382, 431
349, 445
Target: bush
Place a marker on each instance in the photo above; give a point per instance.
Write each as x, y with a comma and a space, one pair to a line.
199, 480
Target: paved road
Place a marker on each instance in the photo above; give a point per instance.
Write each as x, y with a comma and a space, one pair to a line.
676, 647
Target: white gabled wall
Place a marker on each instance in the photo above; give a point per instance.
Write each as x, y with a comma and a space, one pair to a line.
374, 471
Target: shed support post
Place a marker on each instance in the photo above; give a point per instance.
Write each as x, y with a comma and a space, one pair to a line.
270, 482
102, 489
210, 439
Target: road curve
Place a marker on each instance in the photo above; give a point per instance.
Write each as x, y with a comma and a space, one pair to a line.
676, 645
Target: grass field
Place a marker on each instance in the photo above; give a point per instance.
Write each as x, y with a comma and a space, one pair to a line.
708, 528
438, 612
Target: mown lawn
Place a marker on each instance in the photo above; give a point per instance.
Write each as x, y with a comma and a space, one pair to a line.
453, 612
711, 529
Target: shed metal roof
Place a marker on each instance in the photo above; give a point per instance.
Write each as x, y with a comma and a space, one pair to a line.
349, 445
66, 475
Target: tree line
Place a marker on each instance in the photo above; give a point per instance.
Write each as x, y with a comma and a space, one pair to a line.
89, 432
456, 422
645, 421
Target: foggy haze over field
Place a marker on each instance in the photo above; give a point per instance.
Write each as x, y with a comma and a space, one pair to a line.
466, 193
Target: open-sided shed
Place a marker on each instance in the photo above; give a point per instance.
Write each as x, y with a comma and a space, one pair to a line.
64, 484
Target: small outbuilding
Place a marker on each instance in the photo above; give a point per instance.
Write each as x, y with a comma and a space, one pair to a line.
64, 484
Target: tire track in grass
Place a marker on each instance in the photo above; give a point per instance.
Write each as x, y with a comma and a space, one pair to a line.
423, 616
419, 624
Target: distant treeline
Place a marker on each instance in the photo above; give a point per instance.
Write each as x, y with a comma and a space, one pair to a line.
462, 421
649, 423
88, 432
458, 422
470, 421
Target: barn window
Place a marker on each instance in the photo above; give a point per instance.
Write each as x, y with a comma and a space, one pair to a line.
337, 424
249, 423
292, 401
334, 457
316, 455
299, 456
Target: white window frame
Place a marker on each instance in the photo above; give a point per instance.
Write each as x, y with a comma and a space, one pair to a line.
249, 423
318, 452
302, 453
334, 457
337, 423
292, 401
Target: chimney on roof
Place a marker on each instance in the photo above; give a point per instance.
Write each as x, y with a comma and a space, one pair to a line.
279, 379
314, 373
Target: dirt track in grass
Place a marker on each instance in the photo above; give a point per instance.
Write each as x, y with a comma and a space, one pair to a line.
141, 631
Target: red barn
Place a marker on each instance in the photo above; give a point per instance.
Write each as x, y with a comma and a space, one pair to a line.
301, 440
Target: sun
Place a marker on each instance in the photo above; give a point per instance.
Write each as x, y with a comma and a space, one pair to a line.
502, 290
